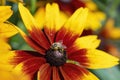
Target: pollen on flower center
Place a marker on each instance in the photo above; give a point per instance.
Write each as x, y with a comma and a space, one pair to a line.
56, 55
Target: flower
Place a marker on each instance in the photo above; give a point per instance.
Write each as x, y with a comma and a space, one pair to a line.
56, 47
110, 30
6, 31
95, 16
109, 34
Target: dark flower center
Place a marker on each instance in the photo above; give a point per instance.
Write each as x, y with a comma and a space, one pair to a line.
56, 55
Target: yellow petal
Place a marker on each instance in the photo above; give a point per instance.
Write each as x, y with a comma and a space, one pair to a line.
90, 76
40, 17
98, 59
6, 75
5, 58
94, 20
95, 17
76, 22
89, 42
4, 45
100, 15
63, 18
5, 13
18, 71
27, 17
91, 5
52, 17
7, 30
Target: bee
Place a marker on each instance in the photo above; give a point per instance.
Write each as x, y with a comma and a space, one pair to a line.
58, 46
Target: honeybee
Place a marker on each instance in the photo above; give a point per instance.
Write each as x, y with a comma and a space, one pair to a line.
58, 46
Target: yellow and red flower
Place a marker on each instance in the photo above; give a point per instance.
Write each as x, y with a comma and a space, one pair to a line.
56, 46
